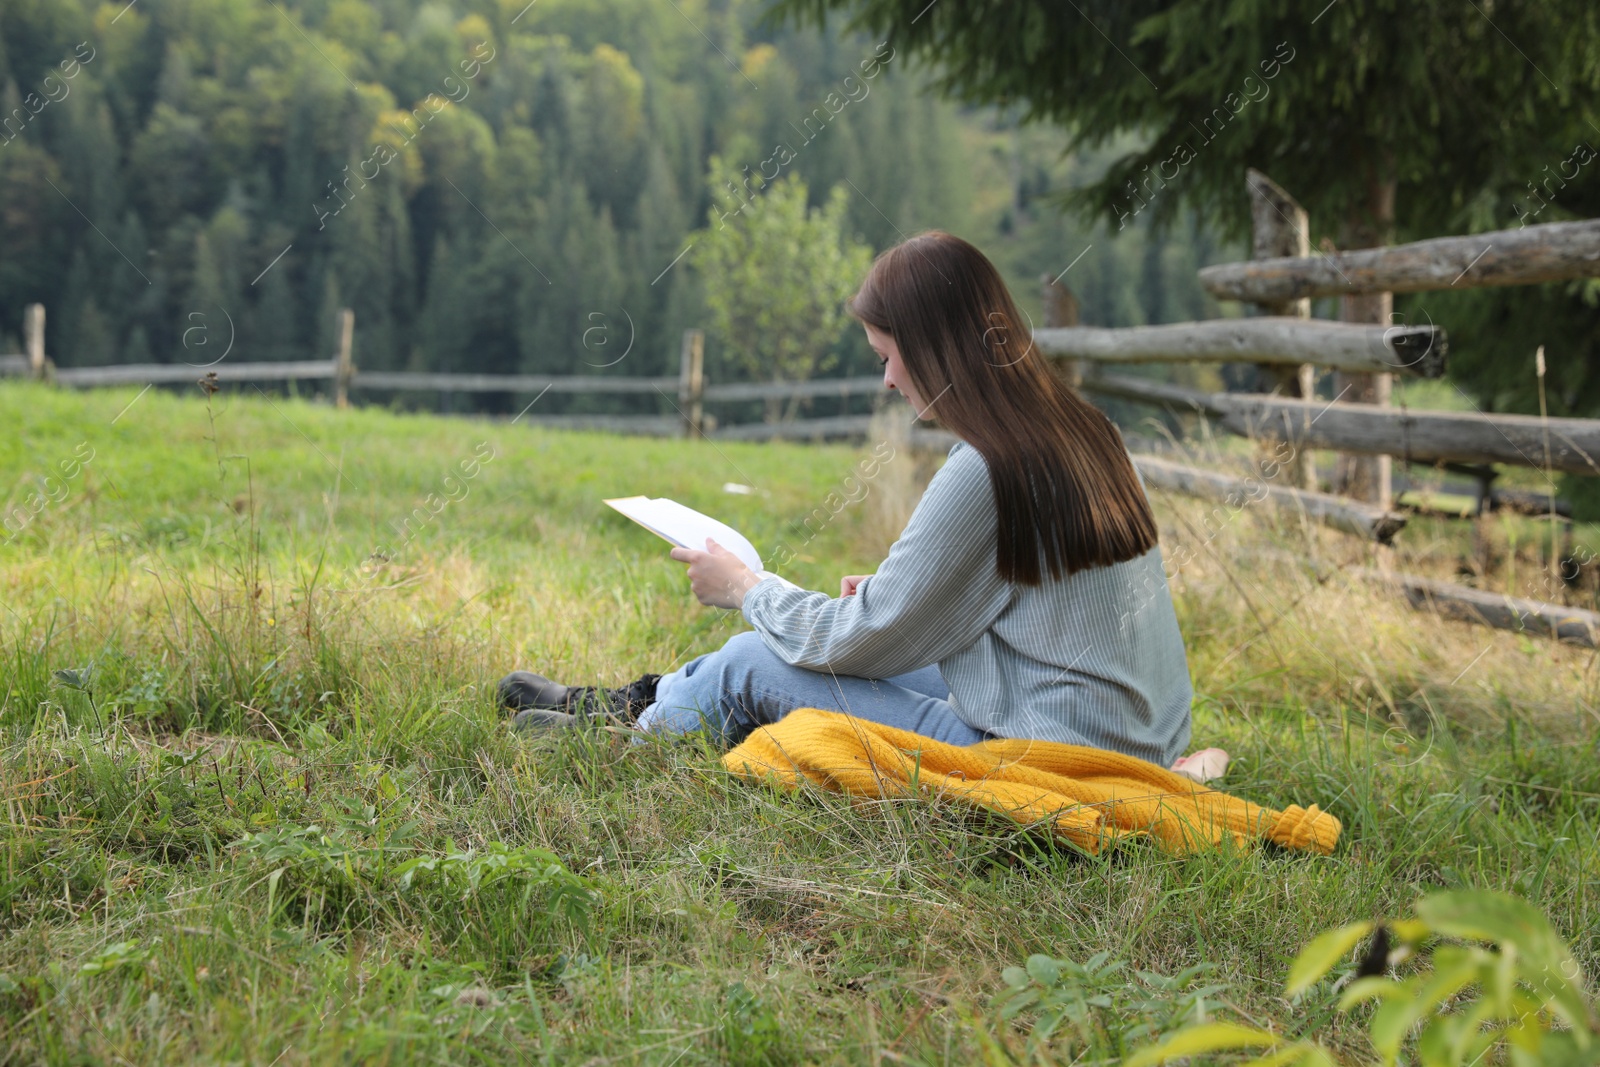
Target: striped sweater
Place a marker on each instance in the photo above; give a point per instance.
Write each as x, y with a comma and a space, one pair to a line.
1095, 658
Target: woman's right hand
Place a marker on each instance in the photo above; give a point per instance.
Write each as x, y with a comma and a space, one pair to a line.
847, 584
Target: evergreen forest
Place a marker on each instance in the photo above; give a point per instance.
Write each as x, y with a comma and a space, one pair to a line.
490, 185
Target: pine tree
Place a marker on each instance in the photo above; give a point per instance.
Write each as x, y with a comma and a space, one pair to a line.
137, 348
93, 341
663, 222
270, 330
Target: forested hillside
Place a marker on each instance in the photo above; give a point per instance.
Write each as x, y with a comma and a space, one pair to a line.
483, 182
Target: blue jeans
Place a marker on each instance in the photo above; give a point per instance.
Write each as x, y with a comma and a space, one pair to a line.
744, 685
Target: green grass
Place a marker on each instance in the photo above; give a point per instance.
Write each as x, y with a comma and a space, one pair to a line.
254, 670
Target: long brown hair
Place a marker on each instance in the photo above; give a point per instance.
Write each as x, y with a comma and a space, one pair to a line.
1064, 486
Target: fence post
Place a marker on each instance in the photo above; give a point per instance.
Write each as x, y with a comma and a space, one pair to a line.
1361, 476
692, 382
1061, 309
1280, 227
343, 369
33, 328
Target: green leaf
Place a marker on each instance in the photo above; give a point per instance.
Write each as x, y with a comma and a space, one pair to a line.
1525, 1031
1559, 1048
1389, 1026
1301, 1052
1454, 969
69, 678
1547, 963
1207, 1037
112, 957
1433, 1044
1044, 970
1368, 988
272, 888
1318, 957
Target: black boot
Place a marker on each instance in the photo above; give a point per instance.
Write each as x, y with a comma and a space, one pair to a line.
542, 703
624, 703
520, 690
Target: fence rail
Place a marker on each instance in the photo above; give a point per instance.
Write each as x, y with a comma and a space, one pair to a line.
1546, 252
510, 383
1415, 350
175, 373
813, 389
1577, 625
1420, 436
1364, 520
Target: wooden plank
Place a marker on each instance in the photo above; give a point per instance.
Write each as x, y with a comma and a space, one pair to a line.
692, 383
1527, 502
170, 373
445, 382
1279, 229
819, 387
1420, 436
1280, 226
831, 428
1368, 224
1414, 350
1061, 310
646, 425
1548, 252
1363, 520
1502, 612
531, 383
1160, 394
513, 383
33, 327
838, 428
343, 368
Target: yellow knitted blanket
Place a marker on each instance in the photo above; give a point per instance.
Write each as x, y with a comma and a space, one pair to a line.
1088, 795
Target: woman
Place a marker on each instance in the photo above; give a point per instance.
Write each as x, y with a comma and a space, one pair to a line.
1025, 598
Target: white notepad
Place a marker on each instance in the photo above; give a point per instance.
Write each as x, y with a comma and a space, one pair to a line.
686, 527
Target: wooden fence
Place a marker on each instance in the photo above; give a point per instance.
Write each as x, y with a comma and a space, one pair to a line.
689, 391
1280, 282
1282, 340
1535, 254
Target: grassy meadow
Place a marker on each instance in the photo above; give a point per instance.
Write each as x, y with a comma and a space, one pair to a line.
259, 806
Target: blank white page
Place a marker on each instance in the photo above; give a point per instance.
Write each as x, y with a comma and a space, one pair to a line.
685, 527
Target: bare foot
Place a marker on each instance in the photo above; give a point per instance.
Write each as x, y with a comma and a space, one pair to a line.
1204, 766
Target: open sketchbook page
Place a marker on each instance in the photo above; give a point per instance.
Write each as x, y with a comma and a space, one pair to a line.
688, 528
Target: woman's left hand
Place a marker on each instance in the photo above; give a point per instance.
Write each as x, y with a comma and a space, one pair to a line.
718, 578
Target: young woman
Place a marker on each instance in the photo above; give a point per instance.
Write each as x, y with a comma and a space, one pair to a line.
1025, 598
